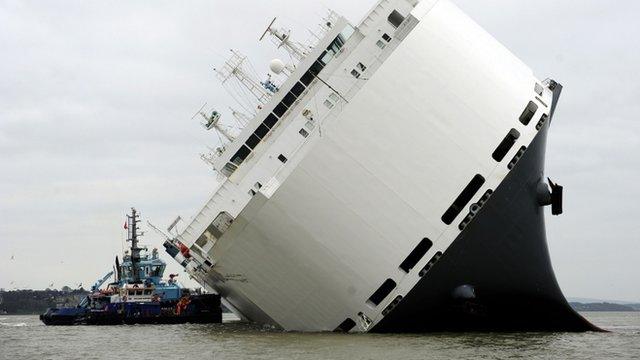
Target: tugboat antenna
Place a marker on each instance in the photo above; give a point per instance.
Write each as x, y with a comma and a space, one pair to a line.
135, 250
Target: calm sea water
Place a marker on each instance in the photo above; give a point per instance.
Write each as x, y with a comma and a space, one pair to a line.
24, 337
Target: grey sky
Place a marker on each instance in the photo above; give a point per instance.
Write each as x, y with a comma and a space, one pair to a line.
96, 99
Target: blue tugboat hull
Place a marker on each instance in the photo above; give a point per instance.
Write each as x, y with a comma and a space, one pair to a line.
202, 309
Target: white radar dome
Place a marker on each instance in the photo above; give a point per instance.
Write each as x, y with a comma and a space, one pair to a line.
277, 66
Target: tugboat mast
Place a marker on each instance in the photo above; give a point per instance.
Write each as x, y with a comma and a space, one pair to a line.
135, 250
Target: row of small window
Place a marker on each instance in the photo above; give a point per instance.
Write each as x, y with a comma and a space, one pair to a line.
269, 123
287, 101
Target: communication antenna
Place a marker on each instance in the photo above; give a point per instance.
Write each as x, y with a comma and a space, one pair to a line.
233, 68
282, 38
133, 234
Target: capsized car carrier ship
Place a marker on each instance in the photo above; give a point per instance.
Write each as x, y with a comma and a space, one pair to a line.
389, 178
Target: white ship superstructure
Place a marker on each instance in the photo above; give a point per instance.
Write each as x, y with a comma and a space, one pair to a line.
358, 172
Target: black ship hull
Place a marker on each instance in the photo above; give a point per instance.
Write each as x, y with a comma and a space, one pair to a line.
497, 274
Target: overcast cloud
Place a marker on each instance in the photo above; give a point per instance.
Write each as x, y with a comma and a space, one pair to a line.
96, 99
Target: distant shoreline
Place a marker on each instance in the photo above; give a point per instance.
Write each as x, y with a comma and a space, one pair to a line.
604, 307
34, 302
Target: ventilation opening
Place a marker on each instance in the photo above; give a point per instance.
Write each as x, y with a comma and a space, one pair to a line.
282, 158
475, 208
345, 326
528, 113
386, 37
392, 305
395, 18
516, 158
506, 145
462, 199
430, 264
416, 255
383, 291
543, 119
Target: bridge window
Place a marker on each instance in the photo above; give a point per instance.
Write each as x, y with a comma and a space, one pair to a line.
289, 99
297, 89
280, 110
252, 141
240, 155
270, 121
307, 78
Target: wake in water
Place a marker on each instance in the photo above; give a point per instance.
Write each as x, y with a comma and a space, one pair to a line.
13, 324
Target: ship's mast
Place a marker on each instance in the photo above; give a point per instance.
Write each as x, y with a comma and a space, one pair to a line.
132, 221
282, 38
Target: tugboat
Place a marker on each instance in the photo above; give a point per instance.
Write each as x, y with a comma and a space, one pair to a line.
138, 295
